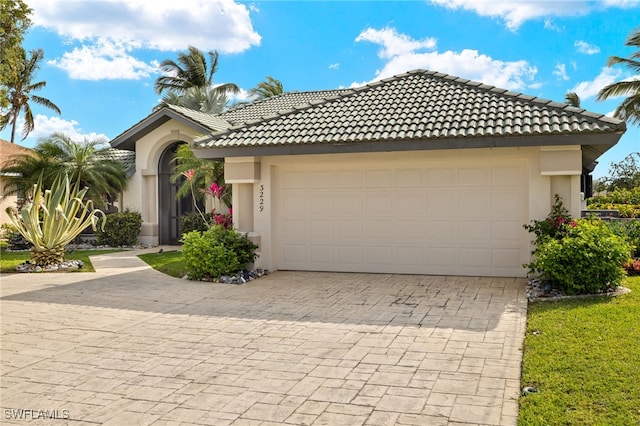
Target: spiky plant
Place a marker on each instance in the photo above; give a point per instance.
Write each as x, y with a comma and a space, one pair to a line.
53, 219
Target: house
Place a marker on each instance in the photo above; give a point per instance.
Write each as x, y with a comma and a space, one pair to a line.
421, 173
7, 151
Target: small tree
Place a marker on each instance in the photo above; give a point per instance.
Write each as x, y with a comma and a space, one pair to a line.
624, 174
53, 219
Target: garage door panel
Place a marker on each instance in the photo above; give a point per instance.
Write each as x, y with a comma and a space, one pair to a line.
349, 179
474, 230
409, 178
475, 204
320, 204
349, 254
378, 231
440, 233
294, 253
442, 258
378, 255
348, 204
509, 231
294, 230
440, 203
506, 205
294, 180
408, 230
477, 257
409, 256
379, 204
474, 177
321, 180
321, 253
294, 204
348, 230
403, 218
321, 230
441, 178
505, 177
379, 179
408, 204
505, 258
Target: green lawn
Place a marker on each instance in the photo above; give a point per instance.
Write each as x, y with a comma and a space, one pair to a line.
10, 259
168, 262
583, 356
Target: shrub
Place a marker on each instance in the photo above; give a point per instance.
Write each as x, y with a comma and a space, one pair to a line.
555, 226
215, 252
121, 229
629, 230
589, 258
626, 201
194, 222
14, 239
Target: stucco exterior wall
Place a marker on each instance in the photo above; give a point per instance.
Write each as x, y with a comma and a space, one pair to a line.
142, 188
6, 201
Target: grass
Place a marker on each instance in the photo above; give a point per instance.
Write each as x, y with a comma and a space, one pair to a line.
583, 356
168, 262
10, 259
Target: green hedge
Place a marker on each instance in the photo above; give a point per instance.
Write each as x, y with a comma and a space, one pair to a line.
120, 229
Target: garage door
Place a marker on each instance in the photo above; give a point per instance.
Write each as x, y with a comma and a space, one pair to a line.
415, 219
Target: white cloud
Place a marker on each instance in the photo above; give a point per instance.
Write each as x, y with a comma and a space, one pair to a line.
393, 43
242, 96
334, 66
467, 63
44, 126
560, 71
586, 48
105, 60
515, 13
550, 25
587, 89
161, 24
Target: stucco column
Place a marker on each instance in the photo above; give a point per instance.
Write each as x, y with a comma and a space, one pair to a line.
242, 173
563, 164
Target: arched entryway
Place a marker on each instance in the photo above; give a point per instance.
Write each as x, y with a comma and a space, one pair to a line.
170, 209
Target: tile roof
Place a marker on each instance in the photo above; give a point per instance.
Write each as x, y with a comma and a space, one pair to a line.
123, 156
267, 107
416, 106
8, 150
211, 121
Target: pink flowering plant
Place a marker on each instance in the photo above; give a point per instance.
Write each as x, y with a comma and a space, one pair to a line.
555, 226
577, 256
220, 193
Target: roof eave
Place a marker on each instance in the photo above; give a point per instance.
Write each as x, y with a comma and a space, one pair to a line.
595, 145
128, 138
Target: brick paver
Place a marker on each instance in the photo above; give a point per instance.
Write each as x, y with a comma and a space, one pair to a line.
128, 345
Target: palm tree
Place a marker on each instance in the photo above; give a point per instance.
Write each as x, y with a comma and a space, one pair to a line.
266, 89
207, 99
572, 99
191, 70
20, 95
629, 109
202, 173
84, 162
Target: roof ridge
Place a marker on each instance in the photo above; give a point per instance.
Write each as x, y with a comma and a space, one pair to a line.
549, 103
282, 113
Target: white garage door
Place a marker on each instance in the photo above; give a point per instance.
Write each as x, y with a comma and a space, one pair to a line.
416, 219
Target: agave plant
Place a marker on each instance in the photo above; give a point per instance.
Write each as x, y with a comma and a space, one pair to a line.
53, 219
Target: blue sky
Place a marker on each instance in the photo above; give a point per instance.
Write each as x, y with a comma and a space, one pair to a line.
101, 57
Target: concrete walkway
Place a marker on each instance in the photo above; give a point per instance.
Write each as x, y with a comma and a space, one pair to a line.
127, 345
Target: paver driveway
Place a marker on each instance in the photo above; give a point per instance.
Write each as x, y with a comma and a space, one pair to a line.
128, 345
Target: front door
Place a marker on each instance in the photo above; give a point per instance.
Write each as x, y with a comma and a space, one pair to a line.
170, 207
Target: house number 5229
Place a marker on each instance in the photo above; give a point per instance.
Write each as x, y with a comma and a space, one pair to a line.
261, 199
